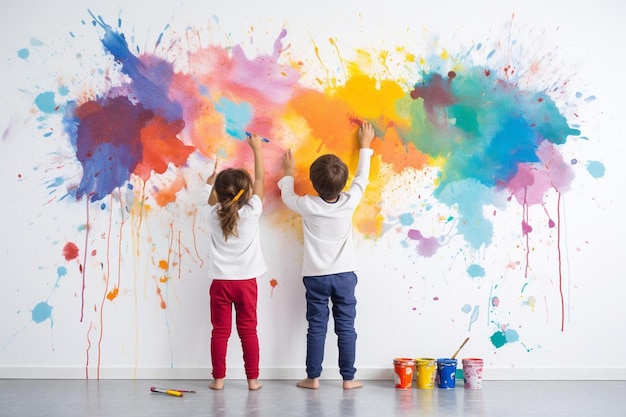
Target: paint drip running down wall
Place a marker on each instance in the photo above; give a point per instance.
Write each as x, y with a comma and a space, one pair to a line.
468, 133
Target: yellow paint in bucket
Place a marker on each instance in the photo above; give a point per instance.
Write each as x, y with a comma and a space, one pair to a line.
426, 372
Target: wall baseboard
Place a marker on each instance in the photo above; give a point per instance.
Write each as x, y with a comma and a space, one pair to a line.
497, 374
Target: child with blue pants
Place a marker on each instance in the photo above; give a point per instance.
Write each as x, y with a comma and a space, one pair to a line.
329, 258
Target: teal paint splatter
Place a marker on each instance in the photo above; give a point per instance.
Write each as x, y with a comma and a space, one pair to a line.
406, 219
23, 53
486, 129
42, 312
236, 116
469, 196
596, 169
500, 338
475, 271
45, 102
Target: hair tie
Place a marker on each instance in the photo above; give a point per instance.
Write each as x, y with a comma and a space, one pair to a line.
238, 195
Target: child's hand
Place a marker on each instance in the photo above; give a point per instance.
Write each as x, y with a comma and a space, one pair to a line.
211, 179
254, 141
288, 163
366, 135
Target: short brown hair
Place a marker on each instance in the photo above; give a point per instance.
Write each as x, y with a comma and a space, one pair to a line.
329, 175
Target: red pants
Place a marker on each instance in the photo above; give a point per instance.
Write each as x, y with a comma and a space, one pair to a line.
243, 295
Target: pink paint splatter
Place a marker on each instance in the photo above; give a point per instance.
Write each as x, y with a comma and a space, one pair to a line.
427, 246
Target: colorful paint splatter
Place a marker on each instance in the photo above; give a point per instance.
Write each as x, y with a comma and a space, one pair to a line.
465, 136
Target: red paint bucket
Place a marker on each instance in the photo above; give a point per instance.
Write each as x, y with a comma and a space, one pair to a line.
403, 368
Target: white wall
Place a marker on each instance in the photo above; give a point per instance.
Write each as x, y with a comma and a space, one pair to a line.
410, 304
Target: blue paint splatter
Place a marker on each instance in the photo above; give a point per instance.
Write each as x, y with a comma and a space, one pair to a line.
500, 338
474, 317
596, 169
475, 271
23, 53
150, 83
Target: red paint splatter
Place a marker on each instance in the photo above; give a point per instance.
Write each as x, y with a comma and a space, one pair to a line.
70, 251
87, 352
558, 245
437, 93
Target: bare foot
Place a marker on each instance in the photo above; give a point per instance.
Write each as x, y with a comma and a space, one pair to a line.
254, 384
352, 384
217, 384
309, 383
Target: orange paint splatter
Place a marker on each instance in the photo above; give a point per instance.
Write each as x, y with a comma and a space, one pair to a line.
113, 293
161, 147
164, 265
273, 284
159, 293
167, 194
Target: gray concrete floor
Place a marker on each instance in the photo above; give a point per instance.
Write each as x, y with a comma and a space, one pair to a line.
121, 398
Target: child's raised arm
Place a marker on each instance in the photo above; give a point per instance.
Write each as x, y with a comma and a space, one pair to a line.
211, 181
258, 188
366, 135
288, 164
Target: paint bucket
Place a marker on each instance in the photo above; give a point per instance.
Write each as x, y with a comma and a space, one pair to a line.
403, 372
472, 372
426, 371
446, 373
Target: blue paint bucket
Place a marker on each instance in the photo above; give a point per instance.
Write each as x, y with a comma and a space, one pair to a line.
446, 373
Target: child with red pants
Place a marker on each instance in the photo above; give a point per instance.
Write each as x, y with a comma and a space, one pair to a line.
234, 209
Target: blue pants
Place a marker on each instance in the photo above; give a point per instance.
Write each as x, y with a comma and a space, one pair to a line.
339, 288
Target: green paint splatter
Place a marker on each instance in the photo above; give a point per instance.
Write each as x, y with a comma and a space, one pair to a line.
498, 339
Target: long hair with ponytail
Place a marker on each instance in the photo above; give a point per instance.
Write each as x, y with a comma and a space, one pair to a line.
233, 189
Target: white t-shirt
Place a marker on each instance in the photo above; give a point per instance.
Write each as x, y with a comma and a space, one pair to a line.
239, 257
327, 227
